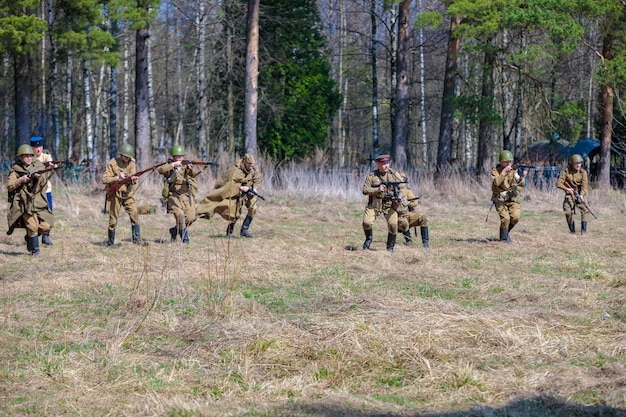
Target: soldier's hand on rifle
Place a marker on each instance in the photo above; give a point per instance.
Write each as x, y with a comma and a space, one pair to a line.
382, 188
177, 164
244, 188
121, 176
24, 179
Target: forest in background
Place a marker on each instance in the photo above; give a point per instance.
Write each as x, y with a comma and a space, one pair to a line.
437, 84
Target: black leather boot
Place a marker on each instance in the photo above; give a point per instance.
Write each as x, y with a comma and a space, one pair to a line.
229, 230
173, 233
369, 236
583, 228
111, 240
184, 235
34, 245
572, 227
136, 234
391, 242
45, 238
504, 235
407, 238
29, 246
424, 232
244, 227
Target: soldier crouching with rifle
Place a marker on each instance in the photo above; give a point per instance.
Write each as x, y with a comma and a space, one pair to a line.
413, 218
29, 207
574, 182
506, 190
181, 192
385, 190
120, 178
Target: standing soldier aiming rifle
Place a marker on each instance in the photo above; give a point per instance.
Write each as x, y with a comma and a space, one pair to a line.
235, 188
29, 208
122, 171
385, 190
573, 180
506, 193
180, 191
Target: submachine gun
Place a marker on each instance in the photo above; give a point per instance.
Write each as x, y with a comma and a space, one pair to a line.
394, 195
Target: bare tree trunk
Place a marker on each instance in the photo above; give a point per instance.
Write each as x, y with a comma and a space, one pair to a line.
483, 157
54, 82
88, 120
252, 74
444, 152
202, 112
6, 122
142, 102
21, 78
113, 108
125, 91
70, 116
230, 99
401, 121
424, 153
375, 122
152, 119
343, 84
604, 174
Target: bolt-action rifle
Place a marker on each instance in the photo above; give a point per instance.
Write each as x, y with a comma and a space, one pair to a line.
52, 166
580, 198
114, 187
190, 162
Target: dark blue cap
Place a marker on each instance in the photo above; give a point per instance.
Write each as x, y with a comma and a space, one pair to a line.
36, 141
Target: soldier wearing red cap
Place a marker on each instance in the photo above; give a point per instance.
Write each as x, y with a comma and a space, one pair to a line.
380, 187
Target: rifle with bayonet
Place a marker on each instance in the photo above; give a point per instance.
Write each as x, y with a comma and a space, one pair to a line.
579, 198
114, 187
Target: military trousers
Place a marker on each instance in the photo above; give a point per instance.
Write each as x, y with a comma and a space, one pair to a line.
115, 205
370, 215
510, 213
183, 207
35, 225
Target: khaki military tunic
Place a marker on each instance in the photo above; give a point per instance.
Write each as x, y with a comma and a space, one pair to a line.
412, 218
181, 198
384, 203
123, 196
506, 194
29, 207
579, 181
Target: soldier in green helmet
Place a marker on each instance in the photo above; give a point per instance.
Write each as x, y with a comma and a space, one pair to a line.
28, 204
506, 193
574, 180
117, 169
181, 191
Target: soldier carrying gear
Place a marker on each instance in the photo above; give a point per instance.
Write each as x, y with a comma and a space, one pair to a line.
181, 193
29, 208
236, 188
116, 170
381, 201
573, 180
506, 193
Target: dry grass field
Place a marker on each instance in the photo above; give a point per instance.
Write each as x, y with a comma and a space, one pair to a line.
293, 323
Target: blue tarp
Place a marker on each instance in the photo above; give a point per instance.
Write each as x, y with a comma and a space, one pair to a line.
583, 148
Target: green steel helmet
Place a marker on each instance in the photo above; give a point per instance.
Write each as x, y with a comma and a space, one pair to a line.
506, 155
25, 150
575, 158
127, 150
178, 150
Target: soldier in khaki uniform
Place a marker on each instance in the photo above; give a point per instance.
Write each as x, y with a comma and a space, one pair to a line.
506, 193
413, 218
29, 208
36, 143
577, 182
383, 201
231, 192
116, 170
181, 193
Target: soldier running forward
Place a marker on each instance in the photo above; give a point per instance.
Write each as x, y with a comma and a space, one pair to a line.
36, 143
28, 206
236, 188
181, 193
413, 218
506, 190
386, 189
117, 170
574, 180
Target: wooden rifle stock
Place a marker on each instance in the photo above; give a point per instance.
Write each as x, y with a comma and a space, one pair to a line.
190, 162
579, 198
114, 187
